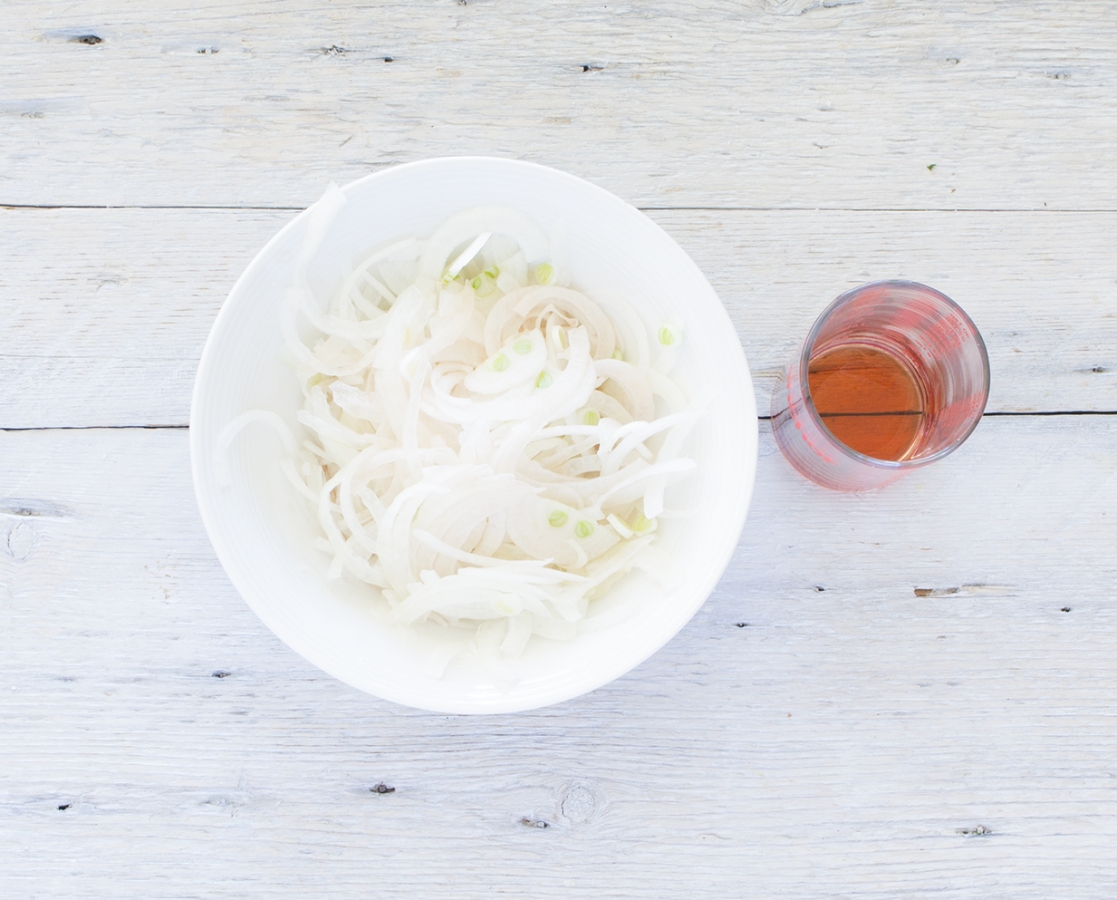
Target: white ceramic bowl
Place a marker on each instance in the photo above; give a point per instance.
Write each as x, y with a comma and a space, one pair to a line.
261, 530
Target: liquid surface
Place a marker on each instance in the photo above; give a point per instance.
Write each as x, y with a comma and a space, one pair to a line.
869, 399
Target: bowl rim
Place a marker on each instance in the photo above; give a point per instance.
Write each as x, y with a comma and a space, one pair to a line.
702, 586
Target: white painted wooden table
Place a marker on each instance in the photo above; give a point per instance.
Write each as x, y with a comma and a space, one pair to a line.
908, 694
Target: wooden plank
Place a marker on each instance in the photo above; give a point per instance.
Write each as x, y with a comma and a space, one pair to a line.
106, 311
769, 103
1039, 288
905, 693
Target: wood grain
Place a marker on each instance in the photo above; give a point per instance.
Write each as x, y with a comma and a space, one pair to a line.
766, 103
106, 311
904, 693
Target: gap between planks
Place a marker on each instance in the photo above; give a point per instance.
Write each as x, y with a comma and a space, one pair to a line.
988, 415
642, 208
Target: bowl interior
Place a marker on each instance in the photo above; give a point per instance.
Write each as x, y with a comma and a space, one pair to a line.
262, 531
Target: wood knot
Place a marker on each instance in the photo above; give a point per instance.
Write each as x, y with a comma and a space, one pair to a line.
382, 788
936, 592
21, 541
578, 804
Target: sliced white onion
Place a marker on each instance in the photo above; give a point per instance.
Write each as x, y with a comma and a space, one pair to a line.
486, 449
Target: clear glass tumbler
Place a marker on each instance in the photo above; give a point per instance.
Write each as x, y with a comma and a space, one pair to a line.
893, 376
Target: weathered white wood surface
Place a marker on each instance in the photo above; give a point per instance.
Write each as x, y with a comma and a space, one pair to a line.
106, 311
769, 103
840, 744
903, 694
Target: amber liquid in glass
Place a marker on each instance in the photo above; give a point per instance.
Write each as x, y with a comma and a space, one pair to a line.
869, 399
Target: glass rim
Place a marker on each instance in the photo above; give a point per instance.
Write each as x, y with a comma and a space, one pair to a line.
805, 388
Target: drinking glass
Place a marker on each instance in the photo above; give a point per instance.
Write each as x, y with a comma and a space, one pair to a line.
893, 376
